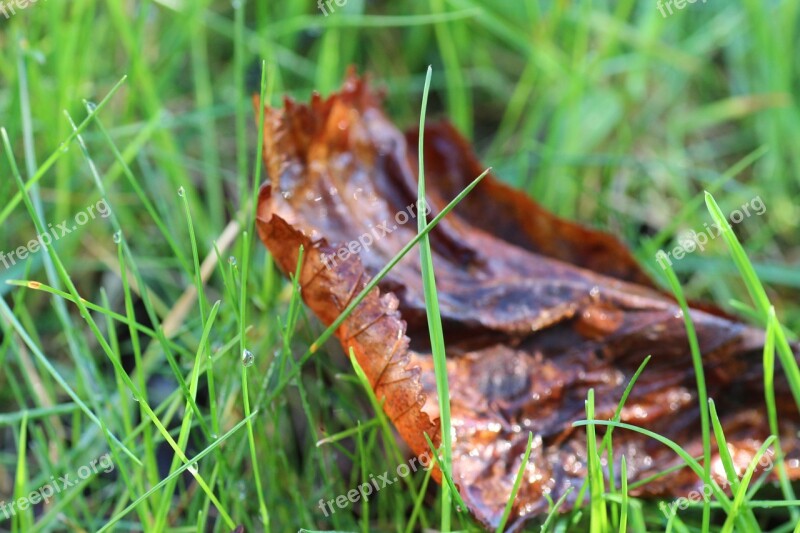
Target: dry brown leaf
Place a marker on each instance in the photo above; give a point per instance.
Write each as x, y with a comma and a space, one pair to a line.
536, 310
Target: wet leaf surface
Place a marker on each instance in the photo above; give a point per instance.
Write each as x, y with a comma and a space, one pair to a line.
537, 310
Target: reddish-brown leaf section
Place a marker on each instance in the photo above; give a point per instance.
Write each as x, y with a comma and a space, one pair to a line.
537, 310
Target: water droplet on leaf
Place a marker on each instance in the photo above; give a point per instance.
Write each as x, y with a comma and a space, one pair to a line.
248, 358
117, 237
181, 191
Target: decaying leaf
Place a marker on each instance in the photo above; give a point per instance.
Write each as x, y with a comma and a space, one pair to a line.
537, 310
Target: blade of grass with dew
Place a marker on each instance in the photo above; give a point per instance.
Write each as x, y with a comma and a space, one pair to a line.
727, 462
722, 446
42, 359
385, 425
50, 161
347, 433
292, 315
702, 396
144, 84
246, 362
136, 485
412, 519
122, 242
606, 444
22, 520
623, 518
758, 294
599, 514
517, 482
186, 423
65, 278
87, 371
287, 330
145, 294
322, 464
123, 319
448, 478
151, 467
772, 410
432, 310
659, 475
362, 458
169, 407
227, 276
738, 500
186, 466
553, 513
137, 188
198, 279
246, 245
688, 459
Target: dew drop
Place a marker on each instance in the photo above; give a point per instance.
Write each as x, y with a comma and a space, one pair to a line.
64, 147
134, 398
181, 191
232, 261
247, 358
91, 106
117, 237
192, 468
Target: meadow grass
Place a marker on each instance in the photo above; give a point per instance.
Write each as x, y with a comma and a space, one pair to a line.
164, 334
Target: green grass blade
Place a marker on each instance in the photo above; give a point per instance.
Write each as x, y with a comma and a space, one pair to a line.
702, 395
517, 482
432, 310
